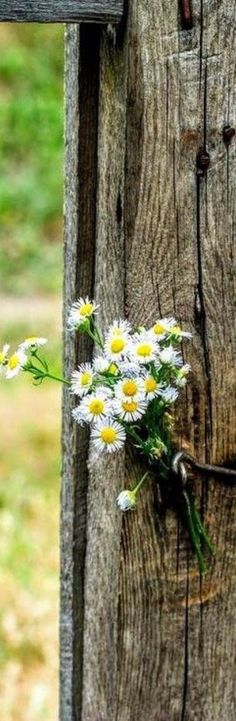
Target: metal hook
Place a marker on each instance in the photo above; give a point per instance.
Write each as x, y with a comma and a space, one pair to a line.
181, 456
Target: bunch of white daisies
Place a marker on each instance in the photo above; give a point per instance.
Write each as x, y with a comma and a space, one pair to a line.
131, 384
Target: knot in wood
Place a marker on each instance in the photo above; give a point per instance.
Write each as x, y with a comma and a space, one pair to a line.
203, 161
228, 134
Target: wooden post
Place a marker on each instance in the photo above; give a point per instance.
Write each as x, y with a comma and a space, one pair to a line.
150, 228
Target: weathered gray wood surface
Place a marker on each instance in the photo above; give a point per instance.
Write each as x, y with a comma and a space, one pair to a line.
60, 11
152, 641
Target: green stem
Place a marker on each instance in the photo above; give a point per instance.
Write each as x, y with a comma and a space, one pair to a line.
95, 338
201, 529
37, 371
141, 482
193, 534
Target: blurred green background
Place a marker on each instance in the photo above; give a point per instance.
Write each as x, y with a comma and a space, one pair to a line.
31, 152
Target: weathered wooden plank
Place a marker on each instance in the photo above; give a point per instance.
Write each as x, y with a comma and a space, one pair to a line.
81, 88
158, 642
60, 11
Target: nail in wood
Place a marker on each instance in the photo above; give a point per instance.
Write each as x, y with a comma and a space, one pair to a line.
186, 14
228, 134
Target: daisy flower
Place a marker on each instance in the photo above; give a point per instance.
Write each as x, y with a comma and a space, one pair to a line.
81, 380
101, 364
116, 346
108, 436
129, 388
15, 363
144, 347
119, 327
33, 342
169, 394
161, 327
169, 356
129, 368
151, 387
178, 333
93, 407
181, 379
3, 355
129, 409
80, 311
126, 500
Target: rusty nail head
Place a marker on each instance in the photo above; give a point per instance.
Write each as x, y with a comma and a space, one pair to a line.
203, 161
228, 134
186, 14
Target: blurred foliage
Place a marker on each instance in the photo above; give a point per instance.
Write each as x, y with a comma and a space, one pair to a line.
31, 150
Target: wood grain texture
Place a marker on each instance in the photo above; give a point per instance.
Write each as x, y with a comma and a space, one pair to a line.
81, 83
60, 11
157, 641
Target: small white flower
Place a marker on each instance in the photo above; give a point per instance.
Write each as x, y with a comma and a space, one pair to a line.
178, 333
129, 409
181, 379
33, 342
119, 327
116, 346
129, 388
108, 436
169, 394
81, 380
80, 311
169, 356
128, 368
3, 356
161, 327
144, 347
15, 363
151, 387
93, 407
127, 500
101, 364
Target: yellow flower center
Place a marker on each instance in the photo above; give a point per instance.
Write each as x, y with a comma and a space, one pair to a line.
129, 406
129, 387
144, 349
31, 339
150, 385
117, 345
85, 378
108, 435
96, 406
13, 362
85, 309
176, 330
159, 328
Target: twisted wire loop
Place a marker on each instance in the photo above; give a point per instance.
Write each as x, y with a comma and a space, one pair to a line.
181, 459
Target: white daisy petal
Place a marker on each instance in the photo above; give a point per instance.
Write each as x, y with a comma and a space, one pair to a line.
33, 342
144, 347
151, 387
126, 500
108, 436
80, 311
129, 387
81, 380
129, 409
161, 327
169, 394
93, 407
119, 327
15, 363
3, 356
169, 356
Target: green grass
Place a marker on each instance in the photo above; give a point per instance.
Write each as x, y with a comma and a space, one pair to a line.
31, 149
